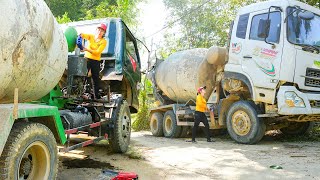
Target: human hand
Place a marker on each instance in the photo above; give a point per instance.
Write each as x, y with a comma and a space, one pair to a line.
83, 49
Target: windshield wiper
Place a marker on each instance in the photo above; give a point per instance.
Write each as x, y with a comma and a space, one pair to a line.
310, 48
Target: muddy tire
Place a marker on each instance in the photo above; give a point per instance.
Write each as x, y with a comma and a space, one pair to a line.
184, 131
297, 128
170, 127
30, 153
121, 132
156, 124
243, 123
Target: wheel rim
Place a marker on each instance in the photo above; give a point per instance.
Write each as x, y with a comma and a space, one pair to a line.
154, 125
241, 123
125, 126
168, 124
35, 162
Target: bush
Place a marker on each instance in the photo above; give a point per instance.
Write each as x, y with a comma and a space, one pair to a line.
142, 118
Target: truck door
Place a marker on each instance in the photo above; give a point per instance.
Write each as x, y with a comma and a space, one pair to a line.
260, 60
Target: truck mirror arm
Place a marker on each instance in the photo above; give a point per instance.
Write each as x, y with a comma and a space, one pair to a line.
269, 22
297, 8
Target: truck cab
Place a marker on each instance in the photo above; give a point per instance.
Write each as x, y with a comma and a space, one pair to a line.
268, 78
120, 61
274, 52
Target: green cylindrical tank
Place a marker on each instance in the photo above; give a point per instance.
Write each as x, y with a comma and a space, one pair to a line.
33, 50
71, 36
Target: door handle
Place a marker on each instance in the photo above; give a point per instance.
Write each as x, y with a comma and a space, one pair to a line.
247, 57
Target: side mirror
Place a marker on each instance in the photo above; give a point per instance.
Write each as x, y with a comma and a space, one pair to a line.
263, 28
306, 15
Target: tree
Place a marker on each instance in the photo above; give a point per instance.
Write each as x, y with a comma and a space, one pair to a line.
201, 23
61, 7
315, 3
75, 10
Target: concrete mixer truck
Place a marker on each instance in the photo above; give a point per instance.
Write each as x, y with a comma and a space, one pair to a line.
45, 95
267, 78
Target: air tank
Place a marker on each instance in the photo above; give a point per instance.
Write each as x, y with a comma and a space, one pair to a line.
179, 76
33, 50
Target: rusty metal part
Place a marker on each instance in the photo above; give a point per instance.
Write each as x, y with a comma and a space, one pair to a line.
33, 50
233, 85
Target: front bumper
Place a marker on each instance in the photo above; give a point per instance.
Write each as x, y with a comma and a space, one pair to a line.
311, 101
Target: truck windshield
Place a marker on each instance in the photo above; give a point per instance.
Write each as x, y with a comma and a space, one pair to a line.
303, 32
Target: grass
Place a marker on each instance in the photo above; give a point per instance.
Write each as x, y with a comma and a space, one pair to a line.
313, 135
134, 153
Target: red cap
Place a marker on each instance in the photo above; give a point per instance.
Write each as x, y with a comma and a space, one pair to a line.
102, 26
200, 88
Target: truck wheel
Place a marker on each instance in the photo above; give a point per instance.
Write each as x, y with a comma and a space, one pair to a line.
243, 123
30, 153
184, 131
121, 132
156, 124
297, 128
170, 127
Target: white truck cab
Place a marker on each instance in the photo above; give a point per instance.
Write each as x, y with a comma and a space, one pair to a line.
275, 51
269, 81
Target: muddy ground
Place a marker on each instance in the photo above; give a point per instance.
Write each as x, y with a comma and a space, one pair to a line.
161, 158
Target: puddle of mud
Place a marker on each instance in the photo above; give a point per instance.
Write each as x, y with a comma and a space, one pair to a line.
86, 163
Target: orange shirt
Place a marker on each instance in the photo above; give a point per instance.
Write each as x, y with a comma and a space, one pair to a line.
95, 47
201, 103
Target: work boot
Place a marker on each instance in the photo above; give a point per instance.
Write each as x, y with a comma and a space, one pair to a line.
193, 141
210, 140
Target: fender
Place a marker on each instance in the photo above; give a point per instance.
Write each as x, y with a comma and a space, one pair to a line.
241, 77
47, 115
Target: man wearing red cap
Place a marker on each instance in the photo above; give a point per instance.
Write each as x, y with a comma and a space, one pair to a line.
201, 107
93, 51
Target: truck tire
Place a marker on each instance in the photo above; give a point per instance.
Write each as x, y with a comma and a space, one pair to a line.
156, 124
30, 153
243, 123
170, 127
297, 128
121, 132
184, 131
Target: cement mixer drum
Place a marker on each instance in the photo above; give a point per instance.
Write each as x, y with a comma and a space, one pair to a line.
33, 50
177, 76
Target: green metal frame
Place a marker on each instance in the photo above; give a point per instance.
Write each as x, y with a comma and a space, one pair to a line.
53, 98
47, 115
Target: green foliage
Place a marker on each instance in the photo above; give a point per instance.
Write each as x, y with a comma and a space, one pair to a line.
315, 3
142, 118
71, 7
201, 23
64, 18
75, 10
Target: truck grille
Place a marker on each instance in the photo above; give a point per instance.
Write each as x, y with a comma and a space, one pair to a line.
312, 77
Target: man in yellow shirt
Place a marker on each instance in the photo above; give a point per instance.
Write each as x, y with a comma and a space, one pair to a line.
201, 107
93, 52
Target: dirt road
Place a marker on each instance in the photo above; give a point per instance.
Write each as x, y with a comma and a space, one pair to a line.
164, 158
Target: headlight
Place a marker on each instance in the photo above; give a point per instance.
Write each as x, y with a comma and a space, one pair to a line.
293, 100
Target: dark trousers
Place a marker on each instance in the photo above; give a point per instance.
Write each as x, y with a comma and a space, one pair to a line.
200, 117
94, 65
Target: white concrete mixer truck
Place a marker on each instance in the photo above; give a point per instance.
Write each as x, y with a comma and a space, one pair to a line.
267, 78
43, 104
